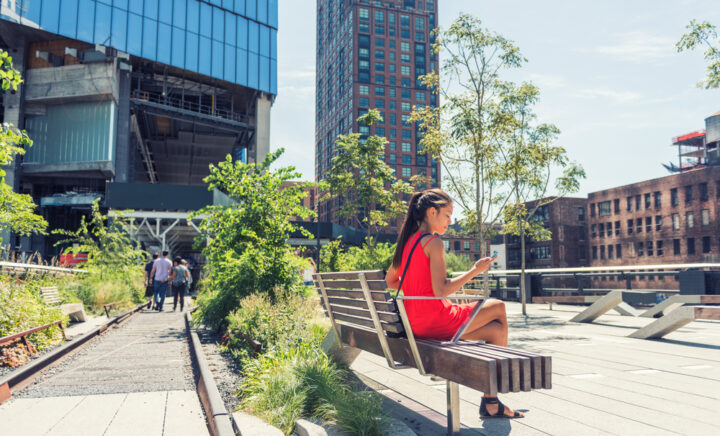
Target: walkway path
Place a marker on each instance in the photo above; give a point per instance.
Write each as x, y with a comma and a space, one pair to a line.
603, 382
133, 380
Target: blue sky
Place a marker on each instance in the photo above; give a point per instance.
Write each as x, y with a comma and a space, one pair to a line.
608, 73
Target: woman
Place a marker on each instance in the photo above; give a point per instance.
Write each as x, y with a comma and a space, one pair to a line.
429, 214
179, 277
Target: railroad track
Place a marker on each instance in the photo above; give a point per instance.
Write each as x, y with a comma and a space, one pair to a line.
142, 373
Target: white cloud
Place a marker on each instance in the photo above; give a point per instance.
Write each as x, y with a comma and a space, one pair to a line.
610, 94
636, 46
544, 81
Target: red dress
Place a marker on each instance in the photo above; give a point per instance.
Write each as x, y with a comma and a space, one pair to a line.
429, 319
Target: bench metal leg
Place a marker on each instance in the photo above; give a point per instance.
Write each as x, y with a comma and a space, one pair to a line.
602, 305
453, 408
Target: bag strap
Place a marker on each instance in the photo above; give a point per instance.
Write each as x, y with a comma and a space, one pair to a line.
407, 262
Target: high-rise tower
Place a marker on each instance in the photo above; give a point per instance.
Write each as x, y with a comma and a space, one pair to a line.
370, 55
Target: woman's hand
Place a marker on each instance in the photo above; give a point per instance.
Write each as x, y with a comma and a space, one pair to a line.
482, 265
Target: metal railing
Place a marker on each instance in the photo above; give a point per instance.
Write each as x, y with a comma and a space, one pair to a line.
14, 266
188, 105
23, 335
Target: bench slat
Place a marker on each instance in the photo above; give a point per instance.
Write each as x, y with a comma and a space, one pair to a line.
448, 363
537, 375
50, 294
353, 275
357, 294
364, 313
374, 285
504, 366
381, 306
392, 327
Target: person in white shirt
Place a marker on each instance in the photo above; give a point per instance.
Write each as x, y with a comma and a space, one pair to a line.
160, 274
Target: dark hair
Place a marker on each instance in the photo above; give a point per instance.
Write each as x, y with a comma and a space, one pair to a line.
165, 252
178, 260
156, 255
418, 206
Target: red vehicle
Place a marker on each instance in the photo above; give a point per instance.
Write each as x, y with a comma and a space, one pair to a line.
70, 260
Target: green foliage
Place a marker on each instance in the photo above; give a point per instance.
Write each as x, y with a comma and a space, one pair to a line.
370, 256
22, 308
458, 262
290, 322
114, 260
359, 176
16, 210
247, 250
467, 132
704, 34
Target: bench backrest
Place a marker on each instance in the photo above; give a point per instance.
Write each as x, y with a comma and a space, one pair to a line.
50, 295
347, 300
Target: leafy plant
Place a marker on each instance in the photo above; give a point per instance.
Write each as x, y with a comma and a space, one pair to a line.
458, 262
370, 256
246, 242
704, 34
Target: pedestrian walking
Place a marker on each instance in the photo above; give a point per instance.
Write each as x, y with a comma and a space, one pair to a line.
149, 291
160, 274
179, 277
190, 280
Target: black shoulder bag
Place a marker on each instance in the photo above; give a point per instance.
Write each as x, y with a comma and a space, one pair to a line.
393, 300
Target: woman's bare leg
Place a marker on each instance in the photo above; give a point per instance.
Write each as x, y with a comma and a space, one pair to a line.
493, 329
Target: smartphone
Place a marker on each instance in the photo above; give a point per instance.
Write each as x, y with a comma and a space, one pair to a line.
494, 255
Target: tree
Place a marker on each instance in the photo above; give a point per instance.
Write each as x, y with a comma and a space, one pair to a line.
246, 242
16, 210
468, 131
704, 34
533, 160
365, 185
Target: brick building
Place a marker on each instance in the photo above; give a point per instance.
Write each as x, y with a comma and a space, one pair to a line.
566, 220
370, 55
672, 219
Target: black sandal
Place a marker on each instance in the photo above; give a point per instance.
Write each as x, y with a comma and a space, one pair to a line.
501, 409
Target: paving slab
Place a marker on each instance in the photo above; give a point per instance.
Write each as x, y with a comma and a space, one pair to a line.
603, 382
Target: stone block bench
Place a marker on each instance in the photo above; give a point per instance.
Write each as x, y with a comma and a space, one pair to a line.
75, 311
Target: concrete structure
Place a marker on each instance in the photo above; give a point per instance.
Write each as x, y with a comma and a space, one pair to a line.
131, 94
370, 55
672, 219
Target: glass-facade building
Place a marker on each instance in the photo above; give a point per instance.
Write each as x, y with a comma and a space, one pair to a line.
232, 40
131, 101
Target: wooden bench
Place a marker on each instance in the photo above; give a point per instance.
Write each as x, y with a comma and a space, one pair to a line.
75, 311
676, 319
668, 305
364, 317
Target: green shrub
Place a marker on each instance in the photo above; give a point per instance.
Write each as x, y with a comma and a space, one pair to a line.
458, 262
22, 308
370, 256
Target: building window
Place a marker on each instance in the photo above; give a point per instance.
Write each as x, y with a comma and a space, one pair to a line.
648, 224
676, 221
602, 252
706, 244
703, 192
594, 253
363, 28
393, 145
629, 203
379, 131
617, 228
379, 91
405, 46
364, 14
690, 245
676, 247
446, 244
540, 252
647, 201
616, 206
364, 102
638, 225
380, 104
406, 172
610, 252
630, 225
393, 158
379, 54
601, 230
581, 213
649, 248
592, 210
405, 70
638, 202
466, 245
604, 208
364, 90
405, 93
406, 159
406, 147
405, 106
688, 194
640, 249
690, 220
593, 230
618, 251
658, 198
379, 66
420, 95
674, 197
706, 217
659, 248
658, 223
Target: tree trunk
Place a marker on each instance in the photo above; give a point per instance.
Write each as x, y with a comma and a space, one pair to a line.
523, 291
